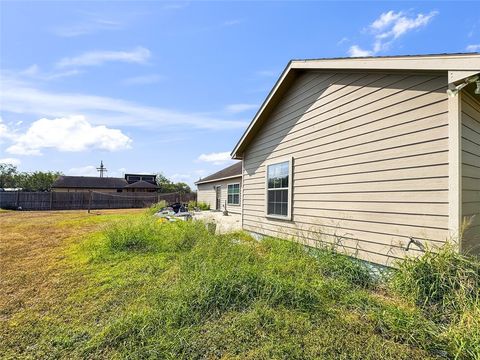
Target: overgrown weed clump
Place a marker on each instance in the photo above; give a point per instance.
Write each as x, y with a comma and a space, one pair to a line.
445, 285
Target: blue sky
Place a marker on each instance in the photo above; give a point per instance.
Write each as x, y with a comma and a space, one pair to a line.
170, 86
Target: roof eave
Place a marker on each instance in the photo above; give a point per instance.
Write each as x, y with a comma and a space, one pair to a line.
444, 62
219, 179
280, 83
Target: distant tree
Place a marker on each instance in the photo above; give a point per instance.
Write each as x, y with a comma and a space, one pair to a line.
28, 181
37, 180
8, 173
165, 185
183, 188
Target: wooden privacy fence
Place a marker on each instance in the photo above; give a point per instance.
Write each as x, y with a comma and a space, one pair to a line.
86, 200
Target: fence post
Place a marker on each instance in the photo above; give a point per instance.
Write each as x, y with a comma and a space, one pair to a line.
17, 200
51, 199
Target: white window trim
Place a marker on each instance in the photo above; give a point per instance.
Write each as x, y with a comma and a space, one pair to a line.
239, 193
290, 187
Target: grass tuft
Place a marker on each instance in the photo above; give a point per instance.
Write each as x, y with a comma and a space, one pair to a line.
149, 234
445, 285
154, 208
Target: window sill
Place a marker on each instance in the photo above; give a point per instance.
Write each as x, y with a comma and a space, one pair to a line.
278, 217
233, 204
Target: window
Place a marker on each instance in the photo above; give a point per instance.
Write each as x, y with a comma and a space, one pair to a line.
233, 194
148, 178
279, 189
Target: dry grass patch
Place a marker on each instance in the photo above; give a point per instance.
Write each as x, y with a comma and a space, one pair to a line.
32, 250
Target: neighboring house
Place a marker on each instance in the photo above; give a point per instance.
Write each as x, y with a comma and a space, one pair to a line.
371, 154
141, 183
130, 183
140, 186
222, 189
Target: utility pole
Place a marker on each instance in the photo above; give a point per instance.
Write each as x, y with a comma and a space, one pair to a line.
102, 169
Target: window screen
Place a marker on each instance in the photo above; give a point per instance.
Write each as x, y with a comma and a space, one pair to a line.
277, 189
233, 194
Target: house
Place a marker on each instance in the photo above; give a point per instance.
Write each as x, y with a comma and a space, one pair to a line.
222, 189
378, 155
129, 183
140, 183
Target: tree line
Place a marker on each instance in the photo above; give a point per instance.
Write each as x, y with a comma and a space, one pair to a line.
10, 177
167, 186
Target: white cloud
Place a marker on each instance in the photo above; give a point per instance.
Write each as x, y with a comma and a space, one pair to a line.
11, 161
176, 5
385, 20
238, 108
90, 25
402, 24
143, 79
473, 48
139, 55
88, 170
72, 133
389, 27
119, 172
31, 70
34, 72
91, 170
232, 22
216, 158
6, 131
180, 177
3, 129
20, 97
356, 51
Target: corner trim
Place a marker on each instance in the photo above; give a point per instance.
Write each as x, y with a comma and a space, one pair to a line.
455, 167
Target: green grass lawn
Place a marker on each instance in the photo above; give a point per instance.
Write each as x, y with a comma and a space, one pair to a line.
124, 285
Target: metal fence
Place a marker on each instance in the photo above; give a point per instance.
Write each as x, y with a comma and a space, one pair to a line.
86, 200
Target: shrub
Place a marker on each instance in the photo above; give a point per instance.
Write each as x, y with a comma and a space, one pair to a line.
198, 205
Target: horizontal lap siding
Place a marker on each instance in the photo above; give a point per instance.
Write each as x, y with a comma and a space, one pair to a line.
471, 172
206, 193
370, 162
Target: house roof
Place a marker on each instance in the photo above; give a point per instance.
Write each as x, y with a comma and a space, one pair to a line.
459, 66
141, 184
89, 182
230, 172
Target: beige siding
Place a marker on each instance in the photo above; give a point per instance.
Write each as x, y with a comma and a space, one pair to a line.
370, 166
471, 172
207, 193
